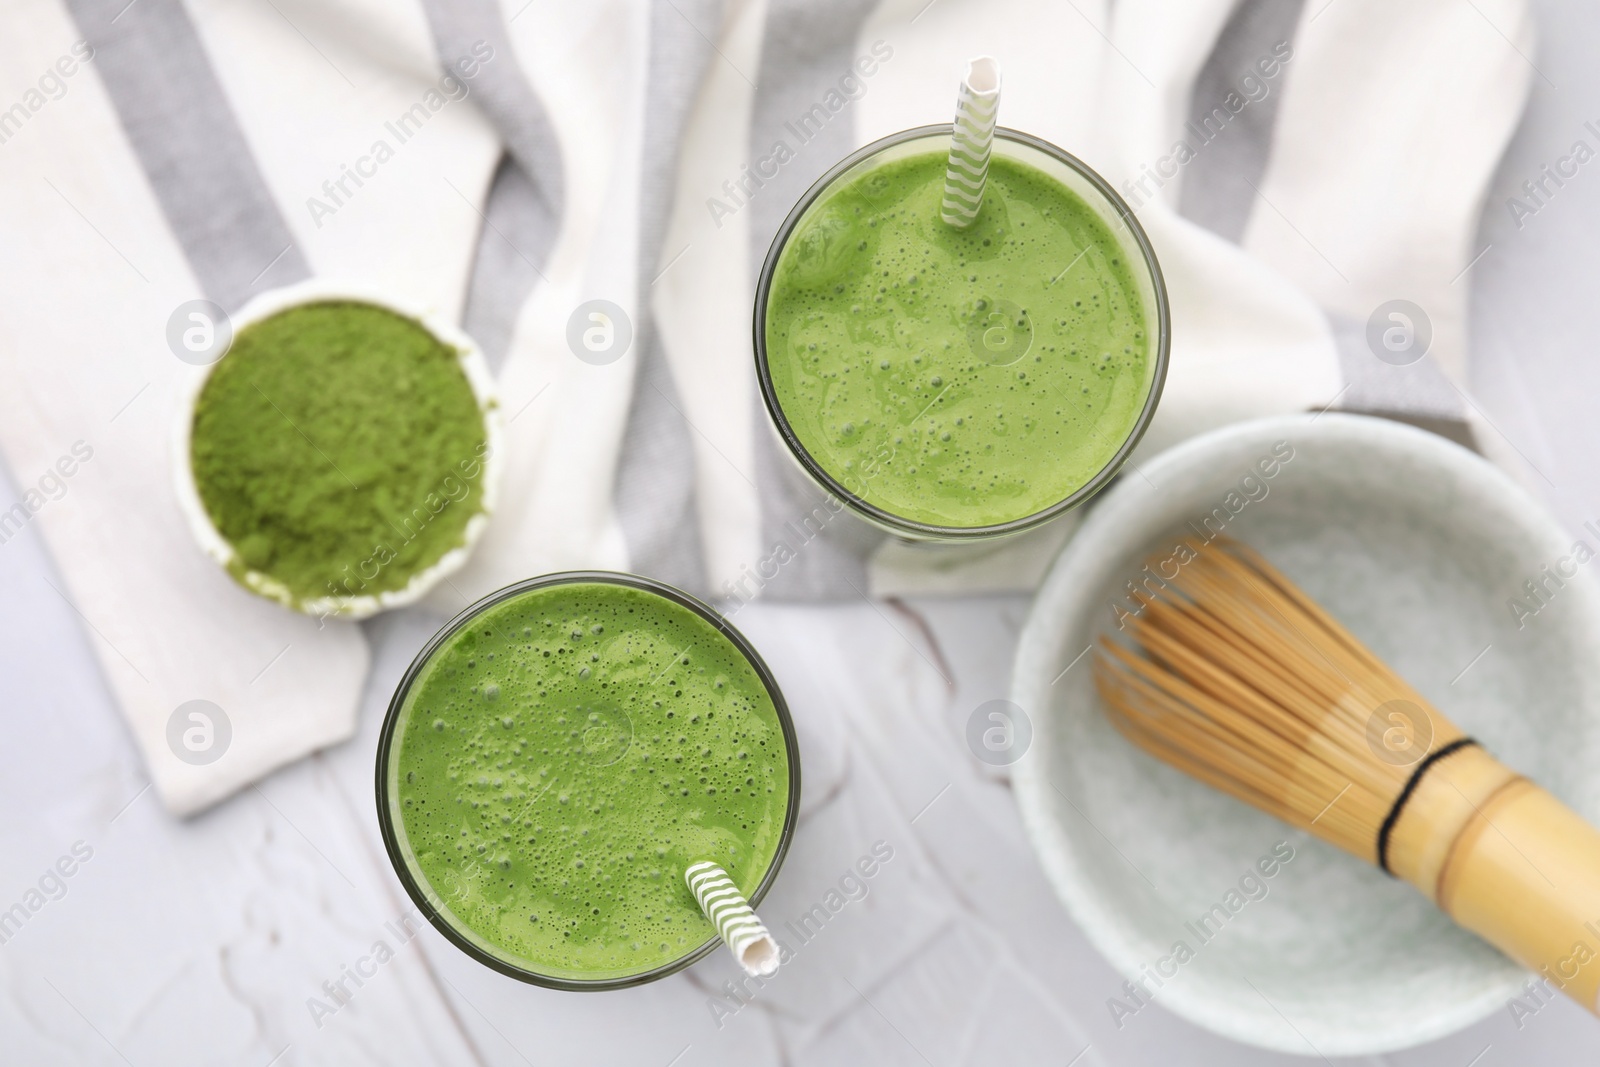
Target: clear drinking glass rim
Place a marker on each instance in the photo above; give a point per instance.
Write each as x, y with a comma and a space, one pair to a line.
391, 841
913, 527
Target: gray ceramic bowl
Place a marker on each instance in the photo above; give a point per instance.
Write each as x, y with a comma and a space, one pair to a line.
1418, 546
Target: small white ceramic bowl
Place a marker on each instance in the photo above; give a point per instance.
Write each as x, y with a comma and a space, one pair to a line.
1416, 545
478, 376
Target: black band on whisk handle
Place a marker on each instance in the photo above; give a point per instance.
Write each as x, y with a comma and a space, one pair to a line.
1387, 829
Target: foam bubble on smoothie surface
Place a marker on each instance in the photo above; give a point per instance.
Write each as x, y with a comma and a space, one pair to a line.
957, 377
565, 757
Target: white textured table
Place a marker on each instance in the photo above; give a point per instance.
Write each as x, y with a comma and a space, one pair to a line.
212, 941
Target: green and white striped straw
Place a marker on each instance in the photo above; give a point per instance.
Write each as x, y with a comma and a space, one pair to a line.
733, 917
977, 105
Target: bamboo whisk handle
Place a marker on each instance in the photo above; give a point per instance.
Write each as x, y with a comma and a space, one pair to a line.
1524, 874
1509, 862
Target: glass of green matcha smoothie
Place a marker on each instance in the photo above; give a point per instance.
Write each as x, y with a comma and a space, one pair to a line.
952, 384
558, 755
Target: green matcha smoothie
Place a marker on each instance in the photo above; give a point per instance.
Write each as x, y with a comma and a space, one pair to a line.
958, 378
559, 760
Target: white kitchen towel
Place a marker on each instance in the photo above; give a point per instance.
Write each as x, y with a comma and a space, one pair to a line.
510, 163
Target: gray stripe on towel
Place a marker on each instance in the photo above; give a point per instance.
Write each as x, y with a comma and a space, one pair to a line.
1417, 393
807, 47
655, 490
522, 215
1218, 189
517, 227
187, 139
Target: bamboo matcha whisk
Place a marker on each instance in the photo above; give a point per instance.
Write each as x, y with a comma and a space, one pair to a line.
1238, 678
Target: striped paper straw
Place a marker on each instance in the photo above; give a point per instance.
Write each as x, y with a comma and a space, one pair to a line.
976, 107
731, 914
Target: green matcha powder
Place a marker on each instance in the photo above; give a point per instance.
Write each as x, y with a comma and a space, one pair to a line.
339, 448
